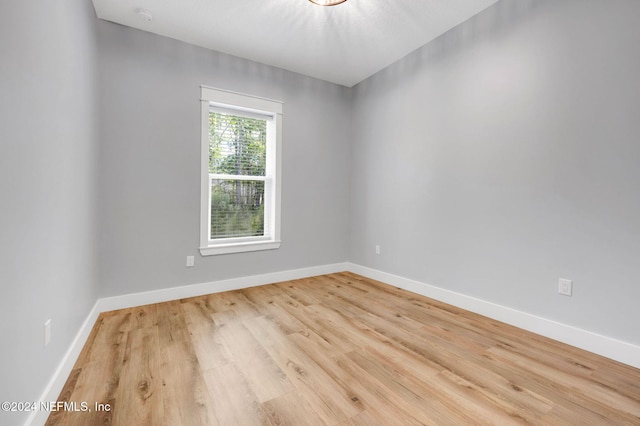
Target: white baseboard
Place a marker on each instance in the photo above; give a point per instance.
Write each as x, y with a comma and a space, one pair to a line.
175, 293
618, 350
55, 385
624, 352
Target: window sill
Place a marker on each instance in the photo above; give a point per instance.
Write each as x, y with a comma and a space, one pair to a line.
213, 250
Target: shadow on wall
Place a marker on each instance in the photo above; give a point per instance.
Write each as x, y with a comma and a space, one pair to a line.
497, 19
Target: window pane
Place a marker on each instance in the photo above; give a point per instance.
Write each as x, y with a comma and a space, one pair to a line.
237, 208
237, 145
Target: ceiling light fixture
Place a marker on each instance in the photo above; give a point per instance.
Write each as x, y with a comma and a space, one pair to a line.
327, 2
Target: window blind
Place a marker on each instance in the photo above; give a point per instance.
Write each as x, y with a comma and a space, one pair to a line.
237, 167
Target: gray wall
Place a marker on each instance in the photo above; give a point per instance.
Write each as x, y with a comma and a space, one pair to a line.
150, 163
47, 163
490, 162
506, 154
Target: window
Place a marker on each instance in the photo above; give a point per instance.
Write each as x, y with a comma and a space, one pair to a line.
240, 198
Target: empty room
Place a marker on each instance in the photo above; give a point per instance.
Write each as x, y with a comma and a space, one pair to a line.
318, 212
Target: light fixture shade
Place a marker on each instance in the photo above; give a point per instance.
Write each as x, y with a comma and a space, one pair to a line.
327, 2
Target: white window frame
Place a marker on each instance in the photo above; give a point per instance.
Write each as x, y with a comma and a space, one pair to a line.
246, 105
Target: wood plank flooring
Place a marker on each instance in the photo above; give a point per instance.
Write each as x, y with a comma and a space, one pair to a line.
337, 349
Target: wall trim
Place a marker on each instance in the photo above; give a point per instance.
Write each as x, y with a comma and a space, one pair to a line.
617, 350
55, 385
175, 293
59, 378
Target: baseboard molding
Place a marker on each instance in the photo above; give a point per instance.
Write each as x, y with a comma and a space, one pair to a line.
175, 293
55, 385
624, 352
617, 350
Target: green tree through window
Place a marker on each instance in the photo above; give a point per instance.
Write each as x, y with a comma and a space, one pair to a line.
237, 164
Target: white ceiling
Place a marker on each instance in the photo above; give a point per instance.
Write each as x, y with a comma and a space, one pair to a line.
343, 44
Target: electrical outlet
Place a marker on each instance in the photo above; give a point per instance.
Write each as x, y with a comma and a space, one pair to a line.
47, 332
565, 287
190, 261
378, 251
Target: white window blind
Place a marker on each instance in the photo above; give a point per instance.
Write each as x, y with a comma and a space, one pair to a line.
237, 174
241, 189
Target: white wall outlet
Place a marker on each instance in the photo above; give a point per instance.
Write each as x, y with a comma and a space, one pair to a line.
190, 261
378, 251
565, 287
47, 332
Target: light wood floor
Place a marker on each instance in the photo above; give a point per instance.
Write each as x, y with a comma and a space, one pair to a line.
338, 349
